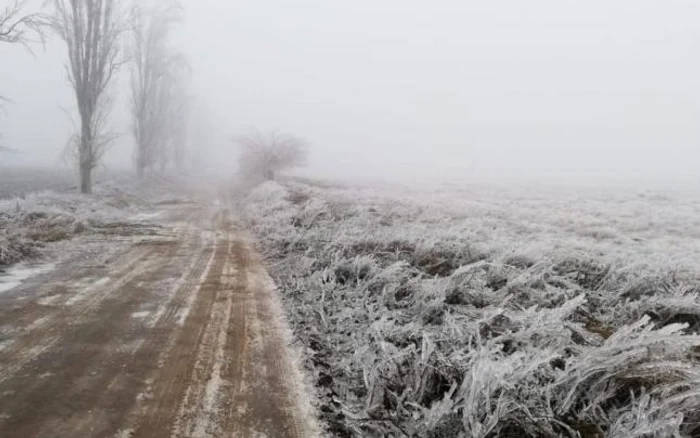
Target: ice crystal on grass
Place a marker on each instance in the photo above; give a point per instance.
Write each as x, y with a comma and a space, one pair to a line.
447, 317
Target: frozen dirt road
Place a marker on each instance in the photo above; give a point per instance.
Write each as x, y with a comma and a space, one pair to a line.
176, 335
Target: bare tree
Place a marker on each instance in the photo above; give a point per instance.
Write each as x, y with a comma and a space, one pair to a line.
158, 87
174, 107
91, 30
265, 154
18, 26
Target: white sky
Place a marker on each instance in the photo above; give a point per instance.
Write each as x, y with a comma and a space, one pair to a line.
594, 88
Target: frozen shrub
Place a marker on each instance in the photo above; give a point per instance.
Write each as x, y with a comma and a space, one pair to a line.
14, 248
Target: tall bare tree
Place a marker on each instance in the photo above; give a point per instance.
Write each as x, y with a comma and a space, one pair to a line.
158, 84
263, 154
92, 32
174, 109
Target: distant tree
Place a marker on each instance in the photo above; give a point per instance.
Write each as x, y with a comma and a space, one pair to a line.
172, 107
92, 32
201, 132
178, 115
263, 155
159, 79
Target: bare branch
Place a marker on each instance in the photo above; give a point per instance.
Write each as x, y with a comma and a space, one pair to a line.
19, 27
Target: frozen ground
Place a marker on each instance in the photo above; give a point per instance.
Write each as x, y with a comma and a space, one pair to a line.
43, 219
486, 311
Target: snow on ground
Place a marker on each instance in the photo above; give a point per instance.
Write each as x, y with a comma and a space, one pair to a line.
491, 311
32, 223
17, 274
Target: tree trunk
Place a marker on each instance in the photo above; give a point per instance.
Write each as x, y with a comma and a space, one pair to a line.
85, 178
140, 163
85, 155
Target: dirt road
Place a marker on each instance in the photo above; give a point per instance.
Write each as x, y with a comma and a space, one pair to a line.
177, 335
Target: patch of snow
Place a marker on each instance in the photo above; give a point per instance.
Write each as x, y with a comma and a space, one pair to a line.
141, 314
18, 274
49, 300
124, 433
102, 281
4, 344
156, 316
146, 216
37, 323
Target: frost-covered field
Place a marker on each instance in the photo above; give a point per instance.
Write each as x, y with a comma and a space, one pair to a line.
483, 311
33, 220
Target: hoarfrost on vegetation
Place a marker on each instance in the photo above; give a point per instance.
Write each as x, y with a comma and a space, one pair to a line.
490, 312
32, 220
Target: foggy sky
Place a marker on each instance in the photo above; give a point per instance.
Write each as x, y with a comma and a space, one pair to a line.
596, 88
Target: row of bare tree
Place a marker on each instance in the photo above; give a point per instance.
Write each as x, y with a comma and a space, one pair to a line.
160, 77
101, 37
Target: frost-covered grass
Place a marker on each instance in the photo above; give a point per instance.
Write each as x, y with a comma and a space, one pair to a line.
491, 312
30, 221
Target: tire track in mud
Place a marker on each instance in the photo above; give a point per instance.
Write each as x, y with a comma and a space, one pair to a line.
158, 417
199, 408
29, 346
267, 402
76, 306
151, 353
229, 375
70, 386
57, 396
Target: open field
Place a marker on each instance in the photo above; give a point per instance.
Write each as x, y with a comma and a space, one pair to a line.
484, 311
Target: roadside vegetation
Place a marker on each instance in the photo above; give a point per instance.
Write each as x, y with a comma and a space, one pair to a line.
28, 223
489, 313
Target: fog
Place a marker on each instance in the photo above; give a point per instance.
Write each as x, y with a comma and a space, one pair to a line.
596, 90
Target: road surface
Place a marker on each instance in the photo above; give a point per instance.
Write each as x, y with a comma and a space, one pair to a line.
176, 335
